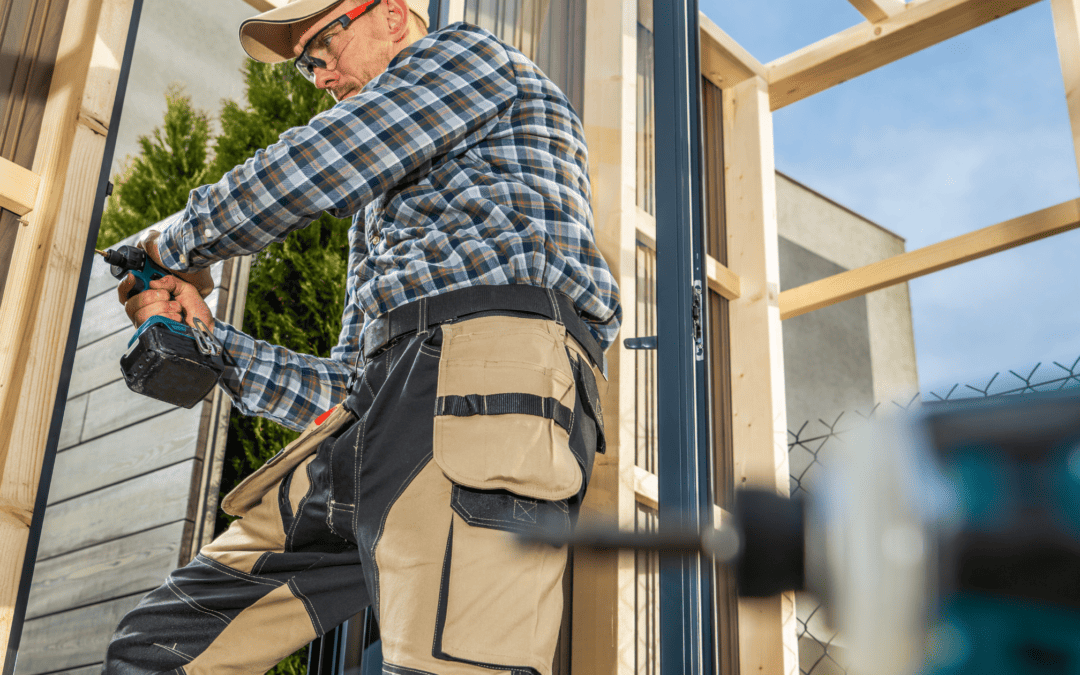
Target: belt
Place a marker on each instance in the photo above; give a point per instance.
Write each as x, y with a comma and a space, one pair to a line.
438, 309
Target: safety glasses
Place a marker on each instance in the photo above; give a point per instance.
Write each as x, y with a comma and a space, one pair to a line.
325, 47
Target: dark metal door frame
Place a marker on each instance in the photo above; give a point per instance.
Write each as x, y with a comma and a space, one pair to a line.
686, 598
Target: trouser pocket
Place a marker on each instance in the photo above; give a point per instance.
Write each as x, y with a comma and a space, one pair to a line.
515, 439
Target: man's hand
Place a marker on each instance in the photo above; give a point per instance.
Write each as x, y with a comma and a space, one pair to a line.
170, 297
200, 279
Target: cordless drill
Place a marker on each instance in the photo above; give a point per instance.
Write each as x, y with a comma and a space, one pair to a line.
165, 359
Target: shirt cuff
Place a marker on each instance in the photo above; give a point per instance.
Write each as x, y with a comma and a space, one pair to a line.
173, 247
239, 348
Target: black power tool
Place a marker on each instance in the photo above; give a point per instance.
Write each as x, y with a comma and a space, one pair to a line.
165, 359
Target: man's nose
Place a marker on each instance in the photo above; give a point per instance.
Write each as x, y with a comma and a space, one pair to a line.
324, 78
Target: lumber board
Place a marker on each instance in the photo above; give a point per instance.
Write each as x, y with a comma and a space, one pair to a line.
132, 451
63, 641
878, 10
721, 279
1067, 31
646, 488
151, 500
71, 429
906, 266
18, 187
766, 629
603, 640
116, 568
868, 46
725, 62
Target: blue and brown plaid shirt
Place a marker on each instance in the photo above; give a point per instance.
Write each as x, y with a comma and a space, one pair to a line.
461, 165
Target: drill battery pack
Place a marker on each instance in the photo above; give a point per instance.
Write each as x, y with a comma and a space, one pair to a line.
172, 362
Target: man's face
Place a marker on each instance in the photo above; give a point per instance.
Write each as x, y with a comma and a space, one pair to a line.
363, 50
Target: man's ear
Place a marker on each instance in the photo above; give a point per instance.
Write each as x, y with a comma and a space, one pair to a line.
397, 18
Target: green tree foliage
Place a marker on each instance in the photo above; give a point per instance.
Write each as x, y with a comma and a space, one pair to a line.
296, 289
156, 184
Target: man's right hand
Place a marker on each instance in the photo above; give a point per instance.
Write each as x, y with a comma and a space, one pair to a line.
170, 297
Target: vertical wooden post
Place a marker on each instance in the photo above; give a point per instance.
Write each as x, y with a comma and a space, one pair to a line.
36, 310
604, 611
767, 642
1067, 30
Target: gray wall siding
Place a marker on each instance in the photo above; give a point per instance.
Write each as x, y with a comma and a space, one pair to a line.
126, 502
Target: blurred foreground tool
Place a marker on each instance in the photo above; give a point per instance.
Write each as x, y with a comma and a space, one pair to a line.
945, 542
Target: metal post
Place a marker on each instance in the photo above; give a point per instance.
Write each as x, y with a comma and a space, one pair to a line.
686, 631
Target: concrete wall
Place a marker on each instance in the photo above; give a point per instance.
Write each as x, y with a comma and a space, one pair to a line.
190, 42
849, 356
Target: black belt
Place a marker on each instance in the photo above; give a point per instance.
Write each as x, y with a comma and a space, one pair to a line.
438, 309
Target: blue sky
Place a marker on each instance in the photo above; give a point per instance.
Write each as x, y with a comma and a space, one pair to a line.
955, 138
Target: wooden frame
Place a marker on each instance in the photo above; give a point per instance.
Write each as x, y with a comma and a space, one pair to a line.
18, 187
36, 311
877, 11
945, 254
869, 46
767, 642
1067, 32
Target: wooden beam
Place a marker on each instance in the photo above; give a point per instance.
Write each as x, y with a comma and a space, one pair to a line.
1067, 30
18, 187
906, 266
646, 488
766, 627
35, 313
724, 62
868, 46
877, 11
722, 280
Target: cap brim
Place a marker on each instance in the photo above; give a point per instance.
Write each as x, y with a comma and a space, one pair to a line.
268, 36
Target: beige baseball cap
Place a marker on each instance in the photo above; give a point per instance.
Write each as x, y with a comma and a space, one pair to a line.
268, 36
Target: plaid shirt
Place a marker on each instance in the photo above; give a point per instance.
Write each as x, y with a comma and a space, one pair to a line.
461, 165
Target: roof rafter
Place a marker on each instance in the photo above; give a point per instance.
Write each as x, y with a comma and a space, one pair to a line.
725, 62
876, 11
868, 46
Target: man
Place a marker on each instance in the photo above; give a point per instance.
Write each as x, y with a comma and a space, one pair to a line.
461, 397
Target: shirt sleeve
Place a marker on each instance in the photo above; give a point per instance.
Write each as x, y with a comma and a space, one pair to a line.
434, 95
282, 385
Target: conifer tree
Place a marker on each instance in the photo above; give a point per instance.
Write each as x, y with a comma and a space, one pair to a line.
156, 184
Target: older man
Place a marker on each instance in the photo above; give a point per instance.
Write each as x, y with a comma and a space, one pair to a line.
462, 401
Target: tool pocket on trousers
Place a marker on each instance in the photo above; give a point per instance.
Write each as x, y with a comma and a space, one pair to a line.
500, 603
505, 408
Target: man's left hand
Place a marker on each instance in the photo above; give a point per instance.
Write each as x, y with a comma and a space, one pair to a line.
200, 279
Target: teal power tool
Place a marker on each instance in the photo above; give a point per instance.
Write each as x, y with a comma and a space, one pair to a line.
165, 359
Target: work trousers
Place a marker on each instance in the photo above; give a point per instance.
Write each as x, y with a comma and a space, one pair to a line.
409, 498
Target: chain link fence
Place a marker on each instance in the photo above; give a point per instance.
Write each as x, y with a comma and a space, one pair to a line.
821, 649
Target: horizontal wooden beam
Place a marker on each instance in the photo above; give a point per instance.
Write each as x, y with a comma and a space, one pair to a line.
647, 492
868, 46
876, 11
906, 266
645, 226
18, 187
646, 488
724, 62
721, 279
